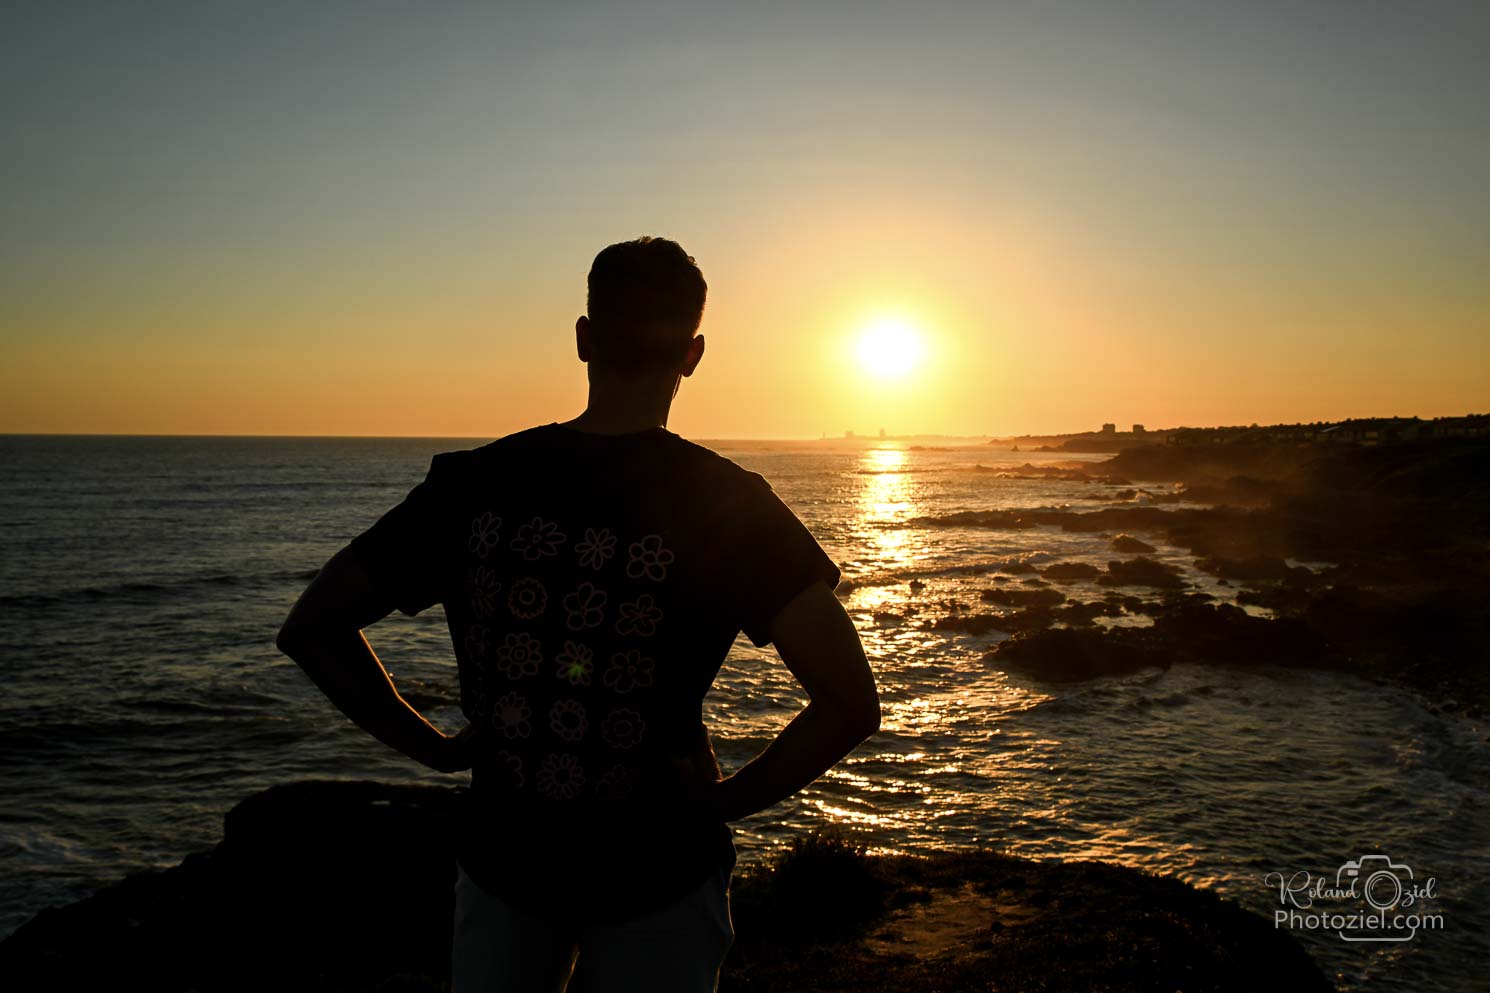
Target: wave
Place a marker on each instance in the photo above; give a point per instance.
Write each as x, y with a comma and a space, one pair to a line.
185, 586
1020, 563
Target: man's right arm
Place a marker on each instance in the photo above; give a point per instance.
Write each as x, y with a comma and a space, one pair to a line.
819, 644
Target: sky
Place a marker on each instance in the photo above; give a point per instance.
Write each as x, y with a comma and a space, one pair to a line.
377, 218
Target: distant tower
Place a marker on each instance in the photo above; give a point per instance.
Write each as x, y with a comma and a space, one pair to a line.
848, 434
1109, 428
882, 432
1138, 429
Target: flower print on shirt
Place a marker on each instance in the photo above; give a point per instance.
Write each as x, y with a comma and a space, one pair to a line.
649, 558
628, 670
598, 546
566, 718
576, 662
510, 716
560, 776
478, 643
509, 768
538, 538
484, 587
623, 729
584, 608
617, 783
484, 533
640, 617
527, 598
519, 655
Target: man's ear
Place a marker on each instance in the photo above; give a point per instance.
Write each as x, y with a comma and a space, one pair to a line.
582, 337
694, 353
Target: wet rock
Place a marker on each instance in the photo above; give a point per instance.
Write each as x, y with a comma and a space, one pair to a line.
1130, 545
1070, 570
1126, 602
1186, 630
1069, 654
1084, 613
972, 623
1024, 598
1269, 567
1142, 572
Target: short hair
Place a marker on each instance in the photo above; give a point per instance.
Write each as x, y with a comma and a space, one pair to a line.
646, 300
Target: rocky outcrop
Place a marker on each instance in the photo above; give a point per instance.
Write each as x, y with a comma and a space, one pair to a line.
1184, 630
1129, 545
1396, 536
1142, 571
348, 886
1070, 570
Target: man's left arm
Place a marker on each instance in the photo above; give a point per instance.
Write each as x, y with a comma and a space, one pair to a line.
392, 565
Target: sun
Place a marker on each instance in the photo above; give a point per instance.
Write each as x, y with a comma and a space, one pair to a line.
889, 348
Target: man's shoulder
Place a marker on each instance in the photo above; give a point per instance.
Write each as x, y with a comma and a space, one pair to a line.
466, 457
455, 469
721, 468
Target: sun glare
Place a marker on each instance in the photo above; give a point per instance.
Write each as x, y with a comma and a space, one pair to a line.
889, 348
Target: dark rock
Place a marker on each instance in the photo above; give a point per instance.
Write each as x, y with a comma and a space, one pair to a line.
327, 885
1130, 545
348, 886
1142, 572
1067, 654
1070, 570
972, 623
1252, 568
1185, 630
1078, 614
1024, 598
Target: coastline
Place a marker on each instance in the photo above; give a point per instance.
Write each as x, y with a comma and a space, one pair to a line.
1396, 585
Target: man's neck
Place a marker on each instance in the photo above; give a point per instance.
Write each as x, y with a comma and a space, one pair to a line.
616, 410
621, 422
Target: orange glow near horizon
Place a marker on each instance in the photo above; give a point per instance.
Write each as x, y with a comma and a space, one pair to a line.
959, 236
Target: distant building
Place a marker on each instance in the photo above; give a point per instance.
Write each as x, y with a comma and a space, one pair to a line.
1138, 429
848, 434
1109, 429
882, 432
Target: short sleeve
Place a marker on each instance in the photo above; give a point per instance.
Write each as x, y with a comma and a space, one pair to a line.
775, 558
403, 552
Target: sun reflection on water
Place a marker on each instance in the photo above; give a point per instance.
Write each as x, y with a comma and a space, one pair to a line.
887, 498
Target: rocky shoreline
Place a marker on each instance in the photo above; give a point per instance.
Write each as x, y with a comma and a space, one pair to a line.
1398, 538
340, 885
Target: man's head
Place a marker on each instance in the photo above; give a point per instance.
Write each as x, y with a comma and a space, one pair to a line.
646, 300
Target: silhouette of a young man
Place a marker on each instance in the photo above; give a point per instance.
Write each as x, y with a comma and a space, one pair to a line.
594, 574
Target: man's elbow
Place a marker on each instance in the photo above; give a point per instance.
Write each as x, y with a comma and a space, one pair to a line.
285, 640
292, 637
860, 718
869, 719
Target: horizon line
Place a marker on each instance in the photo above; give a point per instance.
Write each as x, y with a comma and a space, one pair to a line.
823, 437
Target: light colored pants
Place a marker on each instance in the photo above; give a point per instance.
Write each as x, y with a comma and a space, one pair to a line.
678, 949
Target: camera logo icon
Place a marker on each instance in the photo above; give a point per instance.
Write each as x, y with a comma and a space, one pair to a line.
1377, 878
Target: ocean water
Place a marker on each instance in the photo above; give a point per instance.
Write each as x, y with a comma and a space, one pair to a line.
143, 579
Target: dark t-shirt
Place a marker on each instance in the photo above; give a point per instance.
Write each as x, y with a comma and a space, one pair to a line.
593, 585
